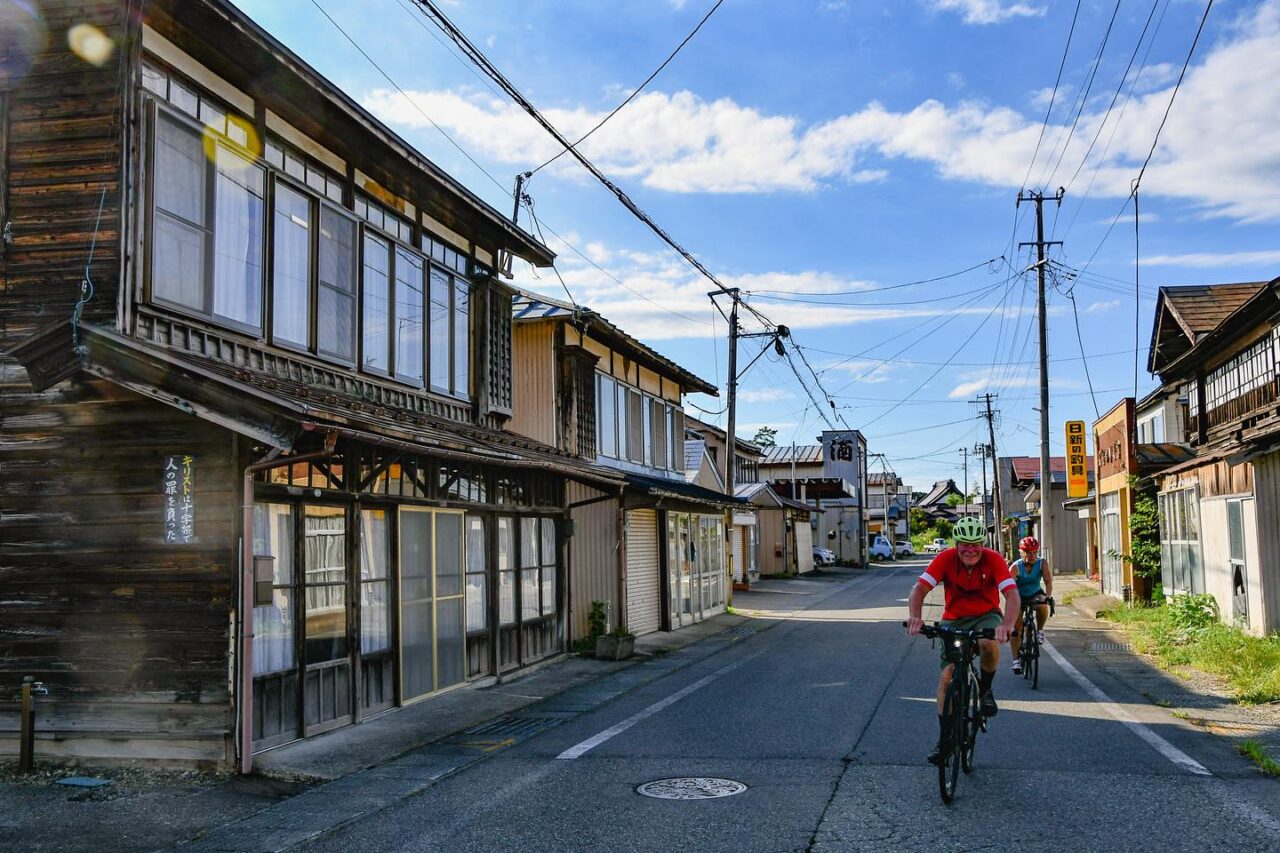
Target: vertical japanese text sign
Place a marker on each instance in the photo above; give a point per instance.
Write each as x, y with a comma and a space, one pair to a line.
179, 500
1077, 465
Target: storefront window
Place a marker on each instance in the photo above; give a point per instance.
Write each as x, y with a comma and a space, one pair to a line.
477, 577
325, 583
273, 624
506, 571
375, 583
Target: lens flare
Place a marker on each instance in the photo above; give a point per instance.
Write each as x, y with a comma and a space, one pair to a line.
23, 36
237, 134
90, 44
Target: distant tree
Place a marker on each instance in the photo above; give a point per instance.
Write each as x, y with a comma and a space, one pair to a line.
954, 500
766, 437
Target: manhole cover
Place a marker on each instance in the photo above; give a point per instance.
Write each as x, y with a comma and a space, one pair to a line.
691, 788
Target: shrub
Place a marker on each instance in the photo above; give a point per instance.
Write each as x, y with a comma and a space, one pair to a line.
1191, 615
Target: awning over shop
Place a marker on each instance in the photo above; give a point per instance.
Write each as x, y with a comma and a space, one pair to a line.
651, 489
815, 488
282, 412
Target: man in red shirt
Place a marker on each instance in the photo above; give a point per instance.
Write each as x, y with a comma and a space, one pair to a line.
973, 577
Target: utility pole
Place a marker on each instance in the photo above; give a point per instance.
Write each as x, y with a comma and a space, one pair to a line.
990, 414
981, 451
1046, 481
964, 451
731, 403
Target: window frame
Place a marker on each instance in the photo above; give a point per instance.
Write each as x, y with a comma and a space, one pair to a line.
157, 111
454, 280
392, 372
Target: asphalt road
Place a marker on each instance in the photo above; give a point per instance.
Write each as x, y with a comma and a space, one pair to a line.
826, 718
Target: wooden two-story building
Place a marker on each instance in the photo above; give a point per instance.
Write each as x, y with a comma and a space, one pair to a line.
256, 480
651, 548
1216, 348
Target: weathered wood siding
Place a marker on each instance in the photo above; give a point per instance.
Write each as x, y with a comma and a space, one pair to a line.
1264, 597
131, 635
593, 556
534, 381
62, 163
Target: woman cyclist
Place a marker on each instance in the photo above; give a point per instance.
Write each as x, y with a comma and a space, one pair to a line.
1029, 572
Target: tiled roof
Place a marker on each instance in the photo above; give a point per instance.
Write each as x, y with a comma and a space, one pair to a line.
879, 478
806, 454
938, 493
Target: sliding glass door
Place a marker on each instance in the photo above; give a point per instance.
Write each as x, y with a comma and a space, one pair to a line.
432, 628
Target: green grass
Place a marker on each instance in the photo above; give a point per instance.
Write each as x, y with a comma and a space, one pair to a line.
1256, 753
1078, 592
1250, 665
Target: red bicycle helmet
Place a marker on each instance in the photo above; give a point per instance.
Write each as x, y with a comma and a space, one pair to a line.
1029, 543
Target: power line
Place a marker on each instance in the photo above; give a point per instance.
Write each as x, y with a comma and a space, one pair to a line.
1052, 96
987, 262
635, 92
874, 304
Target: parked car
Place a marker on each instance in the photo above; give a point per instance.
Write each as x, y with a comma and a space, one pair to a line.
903, 548
823, 556
880, 549
937, 546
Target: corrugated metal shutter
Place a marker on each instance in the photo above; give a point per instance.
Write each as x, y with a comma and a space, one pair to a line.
643, 587
738, 551
804, 547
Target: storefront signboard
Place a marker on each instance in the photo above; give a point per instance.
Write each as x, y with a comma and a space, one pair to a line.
1077, 469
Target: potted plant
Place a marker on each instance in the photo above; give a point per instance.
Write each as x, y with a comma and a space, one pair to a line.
616, 645
597, 623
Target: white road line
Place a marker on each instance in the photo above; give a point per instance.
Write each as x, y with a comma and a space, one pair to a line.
1158, 743
591, 743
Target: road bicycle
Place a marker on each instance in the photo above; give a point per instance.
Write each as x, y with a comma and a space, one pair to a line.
962, 707
1029, 642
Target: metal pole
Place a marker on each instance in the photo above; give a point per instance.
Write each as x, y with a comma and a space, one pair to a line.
995, 475
981, 449
27, 729
964, 451
731, 440
1046, 480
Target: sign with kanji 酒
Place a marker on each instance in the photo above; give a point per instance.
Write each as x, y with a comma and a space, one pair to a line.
1077, 461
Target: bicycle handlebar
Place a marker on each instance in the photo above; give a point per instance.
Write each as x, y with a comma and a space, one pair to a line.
1053, 609
938, 630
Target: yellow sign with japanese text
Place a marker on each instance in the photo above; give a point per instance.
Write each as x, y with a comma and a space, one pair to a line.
1077, 461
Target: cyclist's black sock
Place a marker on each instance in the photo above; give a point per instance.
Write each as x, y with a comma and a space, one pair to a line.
942, 729
984, 681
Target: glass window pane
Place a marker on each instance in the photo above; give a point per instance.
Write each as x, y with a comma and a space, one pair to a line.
376, 307
291, 266
548, 590
325, 576
417, 653
529, 542
448, 554
273, 624
451, 643
529, 605
461, 339
441, 346
477, 606
548, 541
183, 98
375, 590
335, 313
179, 185
238, 239
373, 545
177, 266
408, 338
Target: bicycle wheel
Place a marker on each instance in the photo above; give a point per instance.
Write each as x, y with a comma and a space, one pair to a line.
972, 724
953, 712
1024, 650
1032, 665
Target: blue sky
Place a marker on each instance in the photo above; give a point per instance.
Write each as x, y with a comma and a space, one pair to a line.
825, 150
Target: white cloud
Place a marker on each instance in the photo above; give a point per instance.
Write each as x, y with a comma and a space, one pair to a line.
661, 298
765, 395
988, 11
1218, 150
1098, 307
1214, 259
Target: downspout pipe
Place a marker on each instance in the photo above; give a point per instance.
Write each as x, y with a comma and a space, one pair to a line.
271, 460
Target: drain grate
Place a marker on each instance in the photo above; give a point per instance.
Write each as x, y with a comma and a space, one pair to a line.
1095, 648
514, 727
739, 631
691, 788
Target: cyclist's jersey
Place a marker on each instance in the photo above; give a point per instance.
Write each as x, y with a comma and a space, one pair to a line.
1029, 581
970, 592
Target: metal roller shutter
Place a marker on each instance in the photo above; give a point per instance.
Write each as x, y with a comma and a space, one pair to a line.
643, 587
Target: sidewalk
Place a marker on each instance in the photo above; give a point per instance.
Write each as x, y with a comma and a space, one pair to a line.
1189, 694
314, 785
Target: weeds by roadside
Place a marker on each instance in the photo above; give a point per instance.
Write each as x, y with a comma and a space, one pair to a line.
1187, 633
1256, 753
1079, 592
